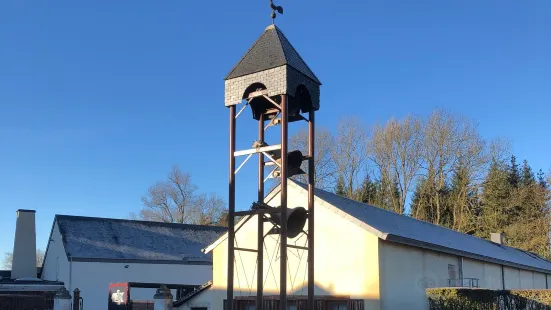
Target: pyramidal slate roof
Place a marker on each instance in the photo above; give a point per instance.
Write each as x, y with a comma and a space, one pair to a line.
106, 239
271, 50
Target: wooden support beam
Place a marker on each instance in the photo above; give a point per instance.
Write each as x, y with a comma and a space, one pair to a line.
261, 149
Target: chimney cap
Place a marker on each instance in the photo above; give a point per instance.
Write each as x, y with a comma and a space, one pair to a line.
26, 210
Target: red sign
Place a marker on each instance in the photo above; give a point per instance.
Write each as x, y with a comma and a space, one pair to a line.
119, 296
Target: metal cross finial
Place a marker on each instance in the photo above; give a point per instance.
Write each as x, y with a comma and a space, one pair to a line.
275, 8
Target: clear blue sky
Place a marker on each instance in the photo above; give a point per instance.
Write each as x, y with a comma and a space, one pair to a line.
98, 99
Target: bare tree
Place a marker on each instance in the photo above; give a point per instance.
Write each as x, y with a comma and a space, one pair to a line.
323, 156
349, 152
395, 149
8, 259
449, 142
176, 200
499, 150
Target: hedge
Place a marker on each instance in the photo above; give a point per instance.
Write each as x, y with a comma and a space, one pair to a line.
486, 299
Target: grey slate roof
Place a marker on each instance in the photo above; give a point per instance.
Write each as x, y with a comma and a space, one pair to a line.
105, 239
271, 50
394, 227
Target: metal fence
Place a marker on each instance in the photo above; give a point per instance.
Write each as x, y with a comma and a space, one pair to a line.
464, 282
300, 303
27, 300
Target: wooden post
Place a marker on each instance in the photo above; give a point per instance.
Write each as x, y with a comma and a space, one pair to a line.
260, 236
311, 186
231, 210
76, 299
284, 170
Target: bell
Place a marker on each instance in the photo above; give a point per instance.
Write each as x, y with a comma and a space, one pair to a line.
296, 219
294, 161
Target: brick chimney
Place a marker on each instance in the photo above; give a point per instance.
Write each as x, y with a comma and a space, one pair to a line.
497, 238
24, 246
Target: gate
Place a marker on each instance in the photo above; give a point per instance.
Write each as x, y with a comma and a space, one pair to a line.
27, 300
141, 305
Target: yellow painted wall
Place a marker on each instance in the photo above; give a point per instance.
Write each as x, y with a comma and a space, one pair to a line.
346, 259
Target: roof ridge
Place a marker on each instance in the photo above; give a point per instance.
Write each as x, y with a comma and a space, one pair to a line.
180, 225
250, 49
280, 34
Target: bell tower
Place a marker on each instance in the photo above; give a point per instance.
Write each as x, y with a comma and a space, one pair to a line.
279, 88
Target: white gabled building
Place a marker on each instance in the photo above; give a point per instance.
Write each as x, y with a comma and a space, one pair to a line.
368, 258
90, 253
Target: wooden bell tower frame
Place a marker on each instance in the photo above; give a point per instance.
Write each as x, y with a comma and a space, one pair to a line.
287, 91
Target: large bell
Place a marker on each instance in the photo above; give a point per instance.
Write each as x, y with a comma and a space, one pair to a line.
294, 161
296, 220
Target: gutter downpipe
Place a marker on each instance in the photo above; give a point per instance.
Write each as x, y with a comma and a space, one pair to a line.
461, 269
503, 277
71, 275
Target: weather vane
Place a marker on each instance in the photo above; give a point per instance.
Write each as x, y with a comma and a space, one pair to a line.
275, 8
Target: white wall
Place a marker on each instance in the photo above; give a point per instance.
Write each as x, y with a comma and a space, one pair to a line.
523, 279
407, 271
526, 279
489, 274
93, 279
512, 278
539, 280
56, 265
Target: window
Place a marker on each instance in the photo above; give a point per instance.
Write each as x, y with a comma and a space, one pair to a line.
452, 273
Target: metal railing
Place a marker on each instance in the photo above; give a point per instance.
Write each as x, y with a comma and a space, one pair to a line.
26, 300
464, 282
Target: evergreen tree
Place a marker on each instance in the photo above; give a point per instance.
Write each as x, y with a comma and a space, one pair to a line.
425, 208
527, 174
530, 229
387, 195
541, 179
496, 194
421, 207
514, 174
340, 189
464, 202
367, 193
520, 209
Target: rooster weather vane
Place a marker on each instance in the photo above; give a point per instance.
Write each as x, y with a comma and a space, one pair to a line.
275, 8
